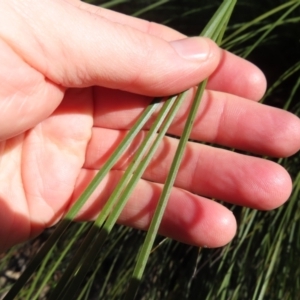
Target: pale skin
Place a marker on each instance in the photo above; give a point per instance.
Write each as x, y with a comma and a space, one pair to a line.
74, 79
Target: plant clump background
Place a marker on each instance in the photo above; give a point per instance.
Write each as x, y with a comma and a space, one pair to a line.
263, 261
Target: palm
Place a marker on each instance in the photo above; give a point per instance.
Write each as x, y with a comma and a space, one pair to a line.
39, 169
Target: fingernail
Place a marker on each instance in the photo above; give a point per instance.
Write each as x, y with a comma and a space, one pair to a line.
194, 48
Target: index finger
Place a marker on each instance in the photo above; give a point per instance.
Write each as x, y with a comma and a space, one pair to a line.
230, 77
152, 28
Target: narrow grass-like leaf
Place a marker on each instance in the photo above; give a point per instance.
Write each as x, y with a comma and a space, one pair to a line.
113, 3
213, 30
286, 75
113, 159
33, 286
271, 262
295, 88
188, 13
149, 7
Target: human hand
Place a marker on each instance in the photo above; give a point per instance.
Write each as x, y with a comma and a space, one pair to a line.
76, 77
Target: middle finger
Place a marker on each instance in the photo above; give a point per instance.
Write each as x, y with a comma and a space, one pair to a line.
223, 119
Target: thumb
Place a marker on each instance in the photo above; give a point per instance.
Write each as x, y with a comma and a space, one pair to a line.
74, 47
